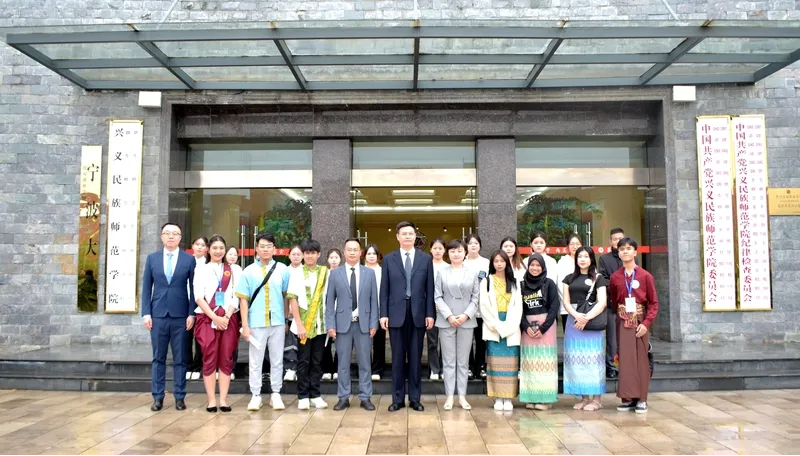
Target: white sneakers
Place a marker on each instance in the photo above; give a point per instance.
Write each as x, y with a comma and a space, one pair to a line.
188, 375
376, 377
335, 376
291, 376
233, 376
327, 377
255, 404
276, 402
464, 404
303, 404
195, 375
319, 403
434, 377
503, 405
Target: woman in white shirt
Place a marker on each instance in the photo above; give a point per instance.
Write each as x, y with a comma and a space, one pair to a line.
195, 361
437, 250
474, 261
509, 246
232, 257
566, 266
217, 326
372, 258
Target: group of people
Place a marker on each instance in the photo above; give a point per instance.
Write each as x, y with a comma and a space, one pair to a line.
495, 317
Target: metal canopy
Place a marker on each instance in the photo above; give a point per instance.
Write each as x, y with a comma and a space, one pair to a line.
411, 55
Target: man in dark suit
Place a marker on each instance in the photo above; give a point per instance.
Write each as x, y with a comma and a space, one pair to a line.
607, 265
351, 316
407, 312
168, 312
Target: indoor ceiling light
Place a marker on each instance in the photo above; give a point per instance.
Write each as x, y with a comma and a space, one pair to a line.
413, 201
416, 191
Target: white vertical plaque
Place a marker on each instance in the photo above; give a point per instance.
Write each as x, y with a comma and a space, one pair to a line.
714, 160
123, 201
750, 141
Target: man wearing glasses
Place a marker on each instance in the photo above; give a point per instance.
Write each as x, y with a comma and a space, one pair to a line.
262, 293
168, 312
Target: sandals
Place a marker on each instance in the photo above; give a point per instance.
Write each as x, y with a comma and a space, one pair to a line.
593, 406
581, 405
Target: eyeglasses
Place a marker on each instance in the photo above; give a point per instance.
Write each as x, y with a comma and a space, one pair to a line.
171, 233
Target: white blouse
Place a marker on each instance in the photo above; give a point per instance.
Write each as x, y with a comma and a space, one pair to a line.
566, 266
378, 272
207, 279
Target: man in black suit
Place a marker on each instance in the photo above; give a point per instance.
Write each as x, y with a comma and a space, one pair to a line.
407, 312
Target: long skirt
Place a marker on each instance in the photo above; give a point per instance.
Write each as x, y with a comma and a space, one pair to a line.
584, 361
217, 345
502, 368
634, 367
538, 380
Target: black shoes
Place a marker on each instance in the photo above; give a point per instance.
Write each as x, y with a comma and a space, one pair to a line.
396, 406
341, 405
416, 406
211, 409
180, 405
158, 404
367, 405
225, 409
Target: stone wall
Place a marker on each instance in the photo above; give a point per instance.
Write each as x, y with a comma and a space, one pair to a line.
44, 121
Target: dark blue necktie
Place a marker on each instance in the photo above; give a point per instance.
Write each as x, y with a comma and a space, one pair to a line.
408, 274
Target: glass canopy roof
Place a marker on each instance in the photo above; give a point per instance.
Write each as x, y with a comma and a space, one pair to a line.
410, 55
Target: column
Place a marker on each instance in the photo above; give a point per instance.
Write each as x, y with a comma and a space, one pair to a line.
331, 220
497, 182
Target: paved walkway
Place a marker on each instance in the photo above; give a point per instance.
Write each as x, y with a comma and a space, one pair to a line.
743, 422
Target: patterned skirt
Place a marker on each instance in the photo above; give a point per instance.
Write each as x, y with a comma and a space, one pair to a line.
538, 380
584, 361
502, 368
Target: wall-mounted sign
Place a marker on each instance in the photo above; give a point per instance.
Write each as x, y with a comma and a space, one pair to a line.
89, 227
752, 216
716, 212
123, 202
784, 201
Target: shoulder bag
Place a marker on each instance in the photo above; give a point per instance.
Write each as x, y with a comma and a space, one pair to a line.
599, 322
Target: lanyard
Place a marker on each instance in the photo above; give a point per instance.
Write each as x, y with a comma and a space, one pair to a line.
219, 277
629, 285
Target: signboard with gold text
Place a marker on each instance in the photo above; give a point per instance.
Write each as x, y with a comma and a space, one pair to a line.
89, 227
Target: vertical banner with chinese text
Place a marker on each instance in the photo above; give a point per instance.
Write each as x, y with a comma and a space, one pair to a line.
750, 148
123, 200
89, 227
714, 162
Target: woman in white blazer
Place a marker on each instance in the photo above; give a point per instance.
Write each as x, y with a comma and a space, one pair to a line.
372, 258
501, 307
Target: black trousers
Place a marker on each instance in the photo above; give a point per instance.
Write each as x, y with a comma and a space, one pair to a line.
564, 322
330, 362
309, 367
434, 355
194, 361
379, 352
477, 356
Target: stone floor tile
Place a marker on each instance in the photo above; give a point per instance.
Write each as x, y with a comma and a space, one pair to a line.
507, 448
388, 444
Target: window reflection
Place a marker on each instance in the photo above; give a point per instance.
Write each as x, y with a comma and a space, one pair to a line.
256, 156
617, 154
414, 154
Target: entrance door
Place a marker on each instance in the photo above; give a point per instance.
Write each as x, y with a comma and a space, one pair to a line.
438, 212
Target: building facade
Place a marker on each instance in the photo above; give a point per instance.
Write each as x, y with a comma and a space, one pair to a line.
498, 154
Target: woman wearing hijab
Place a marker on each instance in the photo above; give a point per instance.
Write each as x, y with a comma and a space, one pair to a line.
501, 306
584, 351
539, 353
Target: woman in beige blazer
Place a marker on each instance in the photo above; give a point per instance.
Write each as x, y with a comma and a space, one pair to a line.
501, 307
456, 296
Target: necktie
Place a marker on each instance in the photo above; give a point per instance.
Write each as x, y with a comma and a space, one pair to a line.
353, 287
169, 267
408, 274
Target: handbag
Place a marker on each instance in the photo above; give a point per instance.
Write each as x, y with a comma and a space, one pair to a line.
599, 322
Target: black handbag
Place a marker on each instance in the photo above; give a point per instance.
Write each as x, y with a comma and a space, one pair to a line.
599, 322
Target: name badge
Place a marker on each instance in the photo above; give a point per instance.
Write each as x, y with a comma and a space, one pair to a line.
635, 284
630, 305
219, 299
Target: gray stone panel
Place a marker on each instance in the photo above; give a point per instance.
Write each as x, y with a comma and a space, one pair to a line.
331, 166
496, 221
496, 171
331, 225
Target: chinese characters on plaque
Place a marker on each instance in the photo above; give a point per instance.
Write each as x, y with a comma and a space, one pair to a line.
123, 200
716, 212
89, 227
749, 142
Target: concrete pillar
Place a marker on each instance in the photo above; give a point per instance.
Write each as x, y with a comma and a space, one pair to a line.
331, 219
496, 178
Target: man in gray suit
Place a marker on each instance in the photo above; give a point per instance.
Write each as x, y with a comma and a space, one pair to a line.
351, 316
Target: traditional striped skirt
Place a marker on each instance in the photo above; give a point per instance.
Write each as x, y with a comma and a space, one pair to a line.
584, 361
502, 368
538, 379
